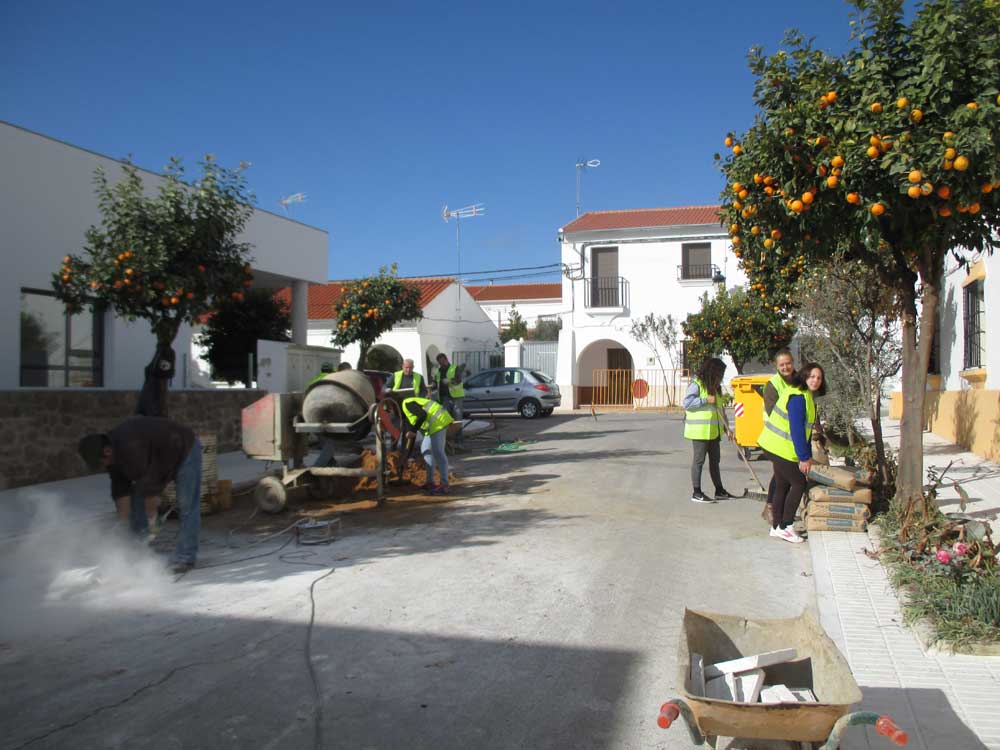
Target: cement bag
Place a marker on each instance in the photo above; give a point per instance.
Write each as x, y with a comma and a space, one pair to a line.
820, 454
838, 510
819, 523
833, 476
835, 495
864, 476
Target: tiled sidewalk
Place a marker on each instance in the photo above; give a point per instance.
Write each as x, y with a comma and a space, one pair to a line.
943, 701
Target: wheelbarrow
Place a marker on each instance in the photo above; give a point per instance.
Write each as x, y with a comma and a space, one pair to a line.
818, 667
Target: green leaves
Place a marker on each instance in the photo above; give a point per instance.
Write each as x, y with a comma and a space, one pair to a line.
166, 258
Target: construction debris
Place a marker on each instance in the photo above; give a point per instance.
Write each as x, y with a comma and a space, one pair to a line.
742, 680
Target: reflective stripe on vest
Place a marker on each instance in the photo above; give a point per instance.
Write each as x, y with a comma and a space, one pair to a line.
454, 390
397, 380
437, 417
703, 422
776, 437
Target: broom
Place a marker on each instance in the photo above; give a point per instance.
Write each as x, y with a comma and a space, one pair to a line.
747, 492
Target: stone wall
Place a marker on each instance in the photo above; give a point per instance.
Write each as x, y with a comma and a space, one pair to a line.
41, 428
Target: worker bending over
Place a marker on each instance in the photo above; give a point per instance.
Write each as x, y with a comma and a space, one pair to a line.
431, 420
143, 455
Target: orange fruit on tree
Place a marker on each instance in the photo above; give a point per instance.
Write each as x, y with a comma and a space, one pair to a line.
947, 164
878, 209
914, 191
737, 205
972, 105
831, 181
757, 179
737, 240
837, 161
902, 102
797, 206
876, 108
831, 96
915, 176
754, 230
853, 198
769, 190
987, 187
945, 211
66, 260
961, 163
776, 234
886, 145
734, 228
916, 115
974, 207
807, 198
950, 153
874, 140
927, 188
768, 180
728, 141
872, 152
768, 243
737, 187
174, 300
737, 150
743, 194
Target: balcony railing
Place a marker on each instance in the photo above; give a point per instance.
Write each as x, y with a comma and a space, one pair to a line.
699, 272
611, 291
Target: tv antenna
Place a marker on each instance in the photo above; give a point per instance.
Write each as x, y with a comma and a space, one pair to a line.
466, 212
582, 166
290, 199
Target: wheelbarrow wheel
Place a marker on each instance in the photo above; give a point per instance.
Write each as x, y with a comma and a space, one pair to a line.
270, 495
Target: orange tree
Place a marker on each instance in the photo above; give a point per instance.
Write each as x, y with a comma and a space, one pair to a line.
888, 155
737, 324
166, 257
369, 307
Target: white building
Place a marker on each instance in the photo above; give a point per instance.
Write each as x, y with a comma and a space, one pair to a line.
452, 323
533, 302
47, 202
621, 266
963, 386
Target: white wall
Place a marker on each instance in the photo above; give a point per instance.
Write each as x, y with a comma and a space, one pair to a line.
47, 202
530, 310
951, 337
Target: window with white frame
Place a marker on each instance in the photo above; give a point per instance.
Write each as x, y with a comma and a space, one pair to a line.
974, 318
59, 350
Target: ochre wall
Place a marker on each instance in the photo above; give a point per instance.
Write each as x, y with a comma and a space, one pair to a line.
970, 418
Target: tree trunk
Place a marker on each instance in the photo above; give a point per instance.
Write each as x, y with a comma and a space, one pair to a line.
916, 359
876, 419
363, 355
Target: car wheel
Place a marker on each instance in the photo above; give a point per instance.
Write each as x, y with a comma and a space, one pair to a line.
547, 412
529, 408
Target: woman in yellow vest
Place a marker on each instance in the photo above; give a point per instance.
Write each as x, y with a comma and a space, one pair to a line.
784, 363
704, 423
431, 420
785, 440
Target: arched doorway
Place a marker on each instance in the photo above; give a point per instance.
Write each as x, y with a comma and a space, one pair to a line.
605, 373
384, 357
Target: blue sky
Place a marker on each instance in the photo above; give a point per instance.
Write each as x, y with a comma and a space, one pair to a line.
383, 113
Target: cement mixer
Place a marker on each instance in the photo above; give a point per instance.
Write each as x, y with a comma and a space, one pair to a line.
338, 411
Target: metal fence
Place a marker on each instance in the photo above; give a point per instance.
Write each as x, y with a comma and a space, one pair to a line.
650, 388
541, 356
477, 361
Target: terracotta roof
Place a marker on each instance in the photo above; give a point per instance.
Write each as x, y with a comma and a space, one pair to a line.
323, 296
498, 292
646, 217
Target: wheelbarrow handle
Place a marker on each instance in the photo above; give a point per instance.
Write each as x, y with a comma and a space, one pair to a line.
884, 725
674, 708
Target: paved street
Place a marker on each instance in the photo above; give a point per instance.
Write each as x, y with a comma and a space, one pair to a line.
539, 608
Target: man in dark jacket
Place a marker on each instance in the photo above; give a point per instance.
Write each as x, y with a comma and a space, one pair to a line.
143, 455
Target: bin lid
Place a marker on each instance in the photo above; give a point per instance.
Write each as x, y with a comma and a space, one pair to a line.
746, 380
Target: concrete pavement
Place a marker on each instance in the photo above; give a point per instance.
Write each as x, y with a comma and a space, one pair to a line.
538, 608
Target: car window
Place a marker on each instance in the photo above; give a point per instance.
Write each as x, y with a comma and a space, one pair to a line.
482, 380
541, 377
512, 377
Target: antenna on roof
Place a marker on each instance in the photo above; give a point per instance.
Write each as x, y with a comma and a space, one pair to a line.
466, 212
290, 199
583, 165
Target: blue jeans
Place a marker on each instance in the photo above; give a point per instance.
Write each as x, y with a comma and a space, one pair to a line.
432, 449
454, 406
188, 489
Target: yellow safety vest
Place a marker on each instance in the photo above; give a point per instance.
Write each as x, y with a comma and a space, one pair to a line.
437, 416
703, 422
776, 437
397, 380
454, 390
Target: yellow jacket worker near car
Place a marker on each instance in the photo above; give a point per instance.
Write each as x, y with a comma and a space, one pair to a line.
431, 419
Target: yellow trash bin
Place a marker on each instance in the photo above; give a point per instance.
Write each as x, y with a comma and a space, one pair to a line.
748, 407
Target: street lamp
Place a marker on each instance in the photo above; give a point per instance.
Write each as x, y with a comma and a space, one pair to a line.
581, 166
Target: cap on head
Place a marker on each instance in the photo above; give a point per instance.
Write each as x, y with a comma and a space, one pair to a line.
91, 449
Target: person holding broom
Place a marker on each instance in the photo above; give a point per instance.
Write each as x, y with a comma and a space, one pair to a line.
785, 440
704, 423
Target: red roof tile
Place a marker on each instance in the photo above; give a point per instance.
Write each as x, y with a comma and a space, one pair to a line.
497, 292
646, 217
323, 296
